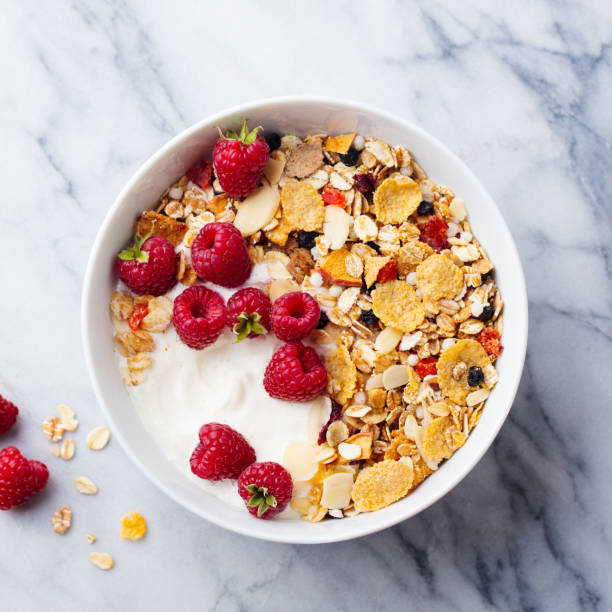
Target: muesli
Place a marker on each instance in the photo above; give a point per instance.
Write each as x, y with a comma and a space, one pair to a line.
381, 302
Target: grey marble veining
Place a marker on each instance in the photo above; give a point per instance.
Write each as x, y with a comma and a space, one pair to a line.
521, 90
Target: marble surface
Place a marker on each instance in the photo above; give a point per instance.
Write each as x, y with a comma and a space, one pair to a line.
519, 90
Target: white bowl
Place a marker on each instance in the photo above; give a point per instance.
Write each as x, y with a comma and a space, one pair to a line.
300, 116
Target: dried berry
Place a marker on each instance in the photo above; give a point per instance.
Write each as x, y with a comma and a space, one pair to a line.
323, 320
427, 367
434, 233
335, 414
486, 314
365, 183
425, 208
368, 317
487, 276
333, 196
306, 240
489, 338
475, 376
273, 140
350, 157
374, 246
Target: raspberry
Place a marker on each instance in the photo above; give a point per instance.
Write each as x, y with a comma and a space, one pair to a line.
200, 173
489, 338
334, 415
138, 314
388, 272
266, 488
434, 233
333, 196
8, 414
427, 367
248, 313
366, 183
294, 315
350, 157
218, 255
199, 316
239, 160
20, 478
295, 373
221, 453
149, 266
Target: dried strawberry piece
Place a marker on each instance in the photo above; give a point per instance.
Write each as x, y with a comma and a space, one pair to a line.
427, 367
434, 233
335, 414
333, 196
489, 338
139, 313
200, 173
388, 272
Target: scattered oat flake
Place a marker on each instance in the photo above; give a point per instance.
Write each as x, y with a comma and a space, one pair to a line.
438, 277
102, 561
468, 352
67, 449
302, 206
396, 198
342, 373
62, 519
53, 429
133, 526
435, 447
396, 304
340, 144
98, 438
68, 422
382, 484
85, 486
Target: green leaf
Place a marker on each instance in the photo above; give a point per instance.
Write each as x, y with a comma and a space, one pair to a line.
260, 499
247, 323
135, 252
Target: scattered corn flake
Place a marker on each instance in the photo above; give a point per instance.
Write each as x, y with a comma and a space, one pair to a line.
156, 224
339, 268
304, 159
340, 144
302, 206
373, 265
396, 198
438, 277
434, 446
133, 526
464, 351
342, 374
382, 484
396, 304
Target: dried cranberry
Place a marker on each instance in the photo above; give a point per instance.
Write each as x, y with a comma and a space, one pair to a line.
336, 413
434, 233
333, 196
365, 182
427, 367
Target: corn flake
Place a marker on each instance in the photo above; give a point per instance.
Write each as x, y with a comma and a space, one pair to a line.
342, 373
133, 526
396, 198
438, 277
303, 206
396, 304
382, 484
340, 144
373, 265
453, 383
153, 223
280, 233
411, 255
435, 447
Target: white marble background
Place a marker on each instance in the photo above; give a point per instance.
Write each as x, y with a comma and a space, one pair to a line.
521, 90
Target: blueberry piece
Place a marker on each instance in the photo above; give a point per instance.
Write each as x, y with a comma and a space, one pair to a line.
273, 140
306, 240
487, 276
323, 320
350, 157
486, 314
368, 317
475, 376
374, 246
425, 208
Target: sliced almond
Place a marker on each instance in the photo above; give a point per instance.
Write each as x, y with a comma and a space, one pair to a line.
98, 438
365, 228
387, 340
337, 491
336, 226
475, 397
102, 561
257, 210
457, 208
374, 382
281, 286
364, 441
273, 170
348, 451
357, 411
85, 486
69, 423
300, 460
337, 432
325, 454
395, 376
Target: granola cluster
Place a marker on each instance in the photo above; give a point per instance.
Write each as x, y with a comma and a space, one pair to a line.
412, 314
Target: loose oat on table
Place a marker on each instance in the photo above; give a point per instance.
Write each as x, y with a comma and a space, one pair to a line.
62, 519
85, 486
409, 296
98, 438
102, 561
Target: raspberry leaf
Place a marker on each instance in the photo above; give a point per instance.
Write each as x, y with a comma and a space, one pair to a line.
245, 137
261, 499
135, 252
248, 323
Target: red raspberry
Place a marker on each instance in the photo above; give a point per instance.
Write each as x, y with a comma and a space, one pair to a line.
294, 315
200, 173
388, 272
8, 414
199, 316
266, 488
366, 183
239, 160
333, 196
434, 233
427, 367
221, 453
218, 255
20, 478
149, 266
138, 314
295, 373
489, 338
248, 313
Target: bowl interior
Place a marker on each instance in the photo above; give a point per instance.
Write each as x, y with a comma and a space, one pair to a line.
299, 117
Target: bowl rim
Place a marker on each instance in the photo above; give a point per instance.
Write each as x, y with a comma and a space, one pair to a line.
520, 334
